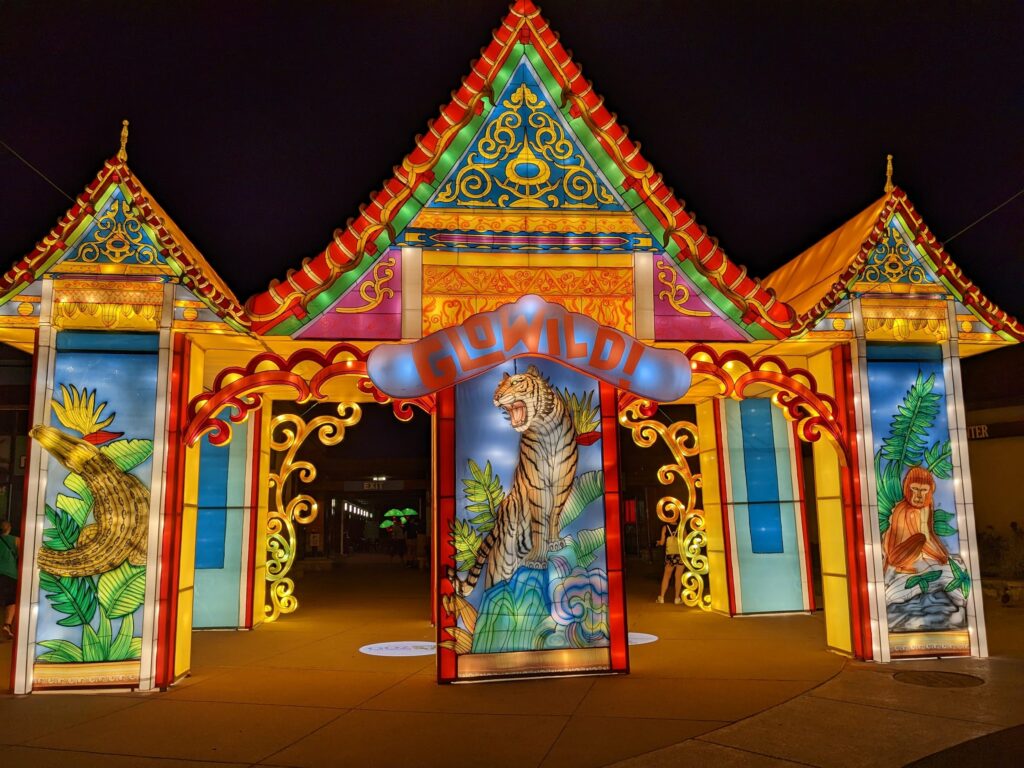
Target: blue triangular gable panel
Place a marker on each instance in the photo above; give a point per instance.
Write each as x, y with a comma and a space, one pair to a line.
897, 259
526, 157
116, 236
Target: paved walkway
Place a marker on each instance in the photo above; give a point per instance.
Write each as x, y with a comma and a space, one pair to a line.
711, 691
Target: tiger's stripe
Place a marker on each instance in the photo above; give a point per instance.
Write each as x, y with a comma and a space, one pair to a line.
526, 522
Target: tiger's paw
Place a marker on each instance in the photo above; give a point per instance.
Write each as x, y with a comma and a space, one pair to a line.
556, 544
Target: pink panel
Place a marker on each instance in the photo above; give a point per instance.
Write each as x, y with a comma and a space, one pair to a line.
680, 311
382, 321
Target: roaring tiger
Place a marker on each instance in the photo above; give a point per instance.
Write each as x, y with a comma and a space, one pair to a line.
526, 525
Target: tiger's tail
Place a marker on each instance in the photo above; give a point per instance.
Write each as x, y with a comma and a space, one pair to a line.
464, 587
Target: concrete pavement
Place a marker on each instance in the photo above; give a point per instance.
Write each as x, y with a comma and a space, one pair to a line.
712, 691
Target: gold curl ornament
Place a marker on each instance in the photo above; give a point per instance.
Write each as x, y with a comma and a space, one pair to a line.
681, 439
288, 432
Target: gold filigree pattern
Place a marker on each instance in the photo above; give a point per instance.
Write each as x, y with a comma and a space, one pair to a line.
893, 261
453, 293
681, 439
118, 236
525, 160
288, 432
375, 289
526, 221
676, 292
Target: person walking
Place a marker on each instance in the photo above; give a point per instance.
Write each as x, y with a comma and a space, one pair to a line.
673, 563
8, 576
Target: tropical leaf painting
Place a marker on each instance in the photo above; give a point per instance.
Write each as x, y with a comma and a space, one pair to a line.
102, 605
906, 446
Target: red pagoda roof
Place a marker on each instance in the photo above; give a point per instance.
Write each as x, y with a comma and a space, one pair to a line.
196, 273
820, 277
523, 25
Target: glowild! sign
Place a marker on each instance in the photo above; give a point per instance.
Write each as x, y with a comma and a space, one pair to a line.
530, 326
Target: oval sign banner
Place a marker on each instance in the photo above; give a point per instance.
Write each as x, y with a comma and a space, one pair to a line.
530, 326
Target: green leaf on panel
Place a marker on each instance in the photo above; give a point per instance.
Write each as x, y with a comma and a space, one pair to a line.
943, 529
135, 652
906, 444
890, 490
63, 531
484, 494
585, 544
128, 454
585, 489
93, 647
121, 648
961, 579
74, 596
467, 543
79, 506
923, 580
942, 516
122, 590
60, 652
939, 460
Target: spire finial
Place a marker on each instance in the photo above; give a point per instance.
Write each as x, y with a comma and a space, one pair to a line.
122, 153
888, 175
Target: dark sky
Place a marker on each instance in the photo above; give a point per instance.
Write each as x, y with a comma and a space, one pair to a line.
261, 126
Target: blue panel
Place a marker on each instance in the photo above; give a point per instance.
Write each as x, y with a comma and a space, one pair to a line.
100, 341
761, 474
213, 494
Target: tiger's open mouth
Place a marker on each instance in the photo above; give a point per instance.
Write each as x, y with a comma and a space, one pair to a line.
516, 411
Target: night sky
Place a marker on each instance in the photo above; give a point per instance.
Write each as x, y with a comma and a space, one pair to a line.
261, 126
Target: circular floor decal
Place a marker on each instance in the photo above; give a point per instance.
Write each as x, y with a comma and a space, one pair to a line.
641, 638
400, 648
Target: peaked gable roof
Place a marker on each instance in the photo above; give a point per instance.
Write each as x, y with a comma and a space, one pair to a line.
172, 247
392, 207
819, 278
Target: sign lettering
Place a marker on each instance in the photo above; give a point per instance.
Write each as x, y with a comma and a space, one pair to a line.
530, 326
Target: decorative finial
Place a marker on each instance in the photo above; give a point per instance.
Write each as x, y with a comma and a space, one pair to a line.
122, 153
888, 175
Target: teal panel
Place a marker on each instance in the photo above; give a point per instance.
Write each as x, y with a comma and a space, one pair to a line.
768, 581
218, 589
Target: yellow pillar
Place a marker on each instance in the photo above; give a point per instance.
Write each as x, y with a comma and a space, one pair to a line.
718, 571
828, 497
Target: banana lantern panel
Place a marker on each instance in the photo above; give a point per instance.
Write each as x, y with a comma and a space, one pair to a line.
93, 553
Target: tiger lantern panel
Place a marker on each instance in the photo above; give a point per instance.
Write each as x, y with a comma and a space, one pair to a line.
528, 585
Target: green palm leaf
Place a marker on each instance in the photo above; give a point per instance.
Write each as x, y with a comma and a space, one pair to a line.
128, 454
63, 531
484, 493
909, 428
467, 543
73, 596
122, 590
585, 544
78, 507
60, 652
939, 460
889, 487
586, 488
121, 648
